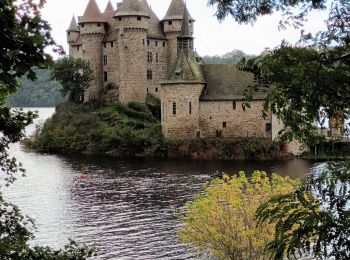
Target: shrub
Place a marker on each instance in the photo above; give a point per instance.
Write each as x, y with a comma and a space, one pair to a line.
222, 220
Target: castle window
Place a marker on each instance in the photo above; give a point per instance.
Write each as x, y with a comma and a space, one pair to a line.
234, 105
198, 134
105, 60
112, 43
157, 56
143, 41
190, 108
104, 45
174, 108
147, 43
156, 89
68, 33
163, 44
82, 25
224, 124
149, 56
139, 18
170, 22
78, 48
268, 127
105, 76
149, 74
156, 43
120, 19
98, 24
147, 90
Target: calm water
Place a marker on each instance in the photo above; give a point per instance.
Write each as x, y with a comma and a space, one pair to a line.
126, 208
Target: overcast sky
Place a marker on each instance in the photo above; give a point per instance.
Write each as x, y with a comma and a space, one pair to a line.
211, 36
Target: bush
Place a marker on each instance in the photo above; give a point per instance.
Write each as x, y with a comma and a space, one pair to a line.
222, 220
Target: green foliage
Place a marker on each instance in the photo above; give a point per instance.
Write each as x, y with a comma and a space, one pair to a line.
314, 218
299, 81
222, 220
113, 129
74, 75
39, 93
233, 57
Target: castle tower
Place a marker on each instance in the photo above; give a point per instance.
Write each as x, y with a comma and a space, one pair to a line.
132, 28
181, 90
92, 31
72, 34
172, 23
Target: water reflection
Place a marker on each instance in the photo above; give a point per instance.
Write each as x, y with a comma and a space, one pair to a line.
126, 208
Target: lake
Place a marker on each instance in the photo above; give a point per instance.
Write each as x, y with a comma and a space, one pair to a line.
124, 207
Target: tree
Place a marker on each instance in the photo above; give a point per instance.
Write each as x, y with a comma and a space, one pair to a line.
75, 76
314, 218
24, 36
222, 220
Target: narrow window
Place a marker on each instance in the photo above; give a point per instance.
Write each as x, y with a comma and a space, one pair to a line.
98, 24
268, 127
112, 44
224, 124
105, 60
174, 108
149, 57
170, 22
156, 43
120, 19
149, 74
78, 48
68, 33
234, 105
82, 25
104, 45
143, 41
163, 44
157, 56
198, 134
147, 90
105, 76
156, 89
139, 18
147, 43
190, 108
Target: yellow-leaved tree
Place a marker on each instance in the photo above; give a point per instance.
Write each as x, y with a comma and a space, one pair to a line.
222, 220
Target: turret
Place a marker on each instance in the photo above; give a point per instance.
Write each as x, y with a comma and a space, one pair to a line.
185, 39
92, 30
72, 34
172, 23
132, 28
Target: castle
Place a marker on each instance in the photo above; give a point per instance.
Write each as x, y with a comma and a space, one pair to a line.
133, 53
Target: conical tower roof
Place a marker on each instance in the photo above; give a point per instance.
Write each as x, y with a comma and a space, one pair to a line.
109, 13
92, 14
131, 8
73, 27
185, 26
175, 11
154, 29
185, 70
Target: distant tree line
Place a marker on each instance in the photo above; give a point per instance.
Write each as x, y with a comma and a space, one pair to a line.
42, 92
233, 57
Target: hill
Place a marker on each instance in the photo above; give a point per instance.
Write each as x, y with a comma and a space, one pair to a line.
39, 93
232, 57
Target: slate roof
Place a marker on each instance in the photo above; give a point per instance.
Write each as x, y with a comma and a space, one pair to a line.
131, 8
185, 70
154, 29
73, 27
226, 82
176, 10
92, 14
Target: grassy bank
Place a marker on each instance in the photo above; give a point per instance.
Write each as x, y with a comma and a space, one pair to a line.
134, 130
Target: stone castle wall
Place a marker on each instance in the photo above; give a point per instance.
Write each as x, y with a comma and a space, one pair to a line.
158, 64
226, 119
111, 74
185, 123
